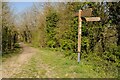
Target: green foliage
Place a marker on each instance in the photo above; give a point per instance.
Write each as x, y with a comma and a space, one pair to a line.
51, 23
114, 10
51, 44
17, 45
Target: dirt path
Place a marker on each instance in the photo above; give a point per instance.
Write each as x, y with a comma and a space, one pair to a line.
14, 64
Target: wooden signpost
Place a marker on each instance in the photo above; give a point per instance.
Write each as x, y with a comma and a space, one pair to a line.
86, 15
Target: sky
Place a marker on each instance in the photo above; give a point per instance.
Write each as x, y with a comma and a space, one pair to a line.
21, 6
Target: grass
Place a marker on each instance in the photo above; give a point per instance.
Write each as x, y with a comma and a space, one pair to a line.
52, 64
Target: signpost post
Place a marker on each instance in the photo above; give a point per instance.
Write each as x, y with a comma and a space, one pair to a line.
85, 14
79, 34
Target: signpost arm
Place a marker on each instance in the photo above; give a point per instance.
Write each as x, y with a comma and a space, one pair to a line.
79, 34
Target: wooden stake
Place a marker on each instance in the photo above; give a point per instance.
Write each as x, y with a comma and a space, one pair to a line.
79, 35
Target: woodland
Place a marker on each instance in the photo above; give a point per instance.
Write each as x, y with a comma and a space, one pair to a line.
54, 26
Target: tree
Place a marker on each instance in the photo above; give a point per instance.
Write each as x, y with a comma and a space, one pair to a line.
114, 17
9, 32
